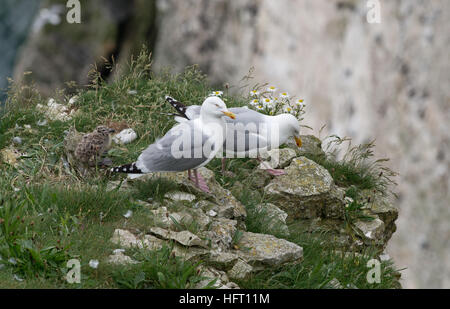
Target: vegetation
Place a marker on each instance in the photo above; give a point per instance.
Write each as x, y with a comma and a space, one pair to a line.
49, 214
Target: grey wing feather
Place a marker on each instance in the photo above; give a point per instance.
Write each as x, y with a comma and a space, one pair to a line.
245, 132
159, 156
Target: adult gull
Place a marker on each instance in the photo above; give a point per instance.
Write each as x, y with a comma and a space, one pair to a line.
188, 145
250, 134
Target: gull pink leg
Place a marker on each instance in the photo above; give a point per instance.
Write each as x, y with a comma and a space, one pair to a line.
271, 171
200, 182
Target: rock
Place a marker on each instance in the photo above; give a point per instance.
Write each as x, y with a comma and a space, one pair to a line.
383, 207
10, 155
384, 257
306, 191
223, 259
311, 145
219, 196
240, 270
180, 196
125, 136
334, 284
221, 233
275, 217
190, 253
210, 274
79, 47
277, 158
185, 238
261, 250
121, 259
126, 239
161, 218
17, 140
55, 111
185, 216
371, 230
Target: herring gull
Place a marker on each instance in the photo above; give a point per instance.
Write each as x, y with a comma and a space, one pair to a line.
251, 134
188, 145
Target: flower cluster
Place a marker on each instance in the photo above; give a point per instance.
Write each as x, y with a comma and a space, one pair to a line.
268, 102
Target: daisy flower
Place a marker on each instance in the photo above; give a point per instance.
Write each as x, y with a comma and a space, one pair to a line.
271, 89
259, 107
254, 102
284, 95
267, 102
254, 93
216, 93
299, 102
288, 109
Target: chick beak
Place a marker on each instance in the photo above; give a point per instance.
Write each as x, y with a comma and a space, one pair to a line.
112, 131
298, 141
229, 114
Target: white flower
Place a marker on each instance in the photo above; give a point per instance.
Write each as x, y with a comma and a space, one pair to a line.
299, 102
216, 93
284, 95
254, 93
93, 264
271, 89
259, 107
254, 102
288, 109
267, 102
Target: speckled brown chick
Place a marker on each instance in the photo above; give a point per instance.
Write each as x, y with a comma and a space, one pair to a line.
93, 145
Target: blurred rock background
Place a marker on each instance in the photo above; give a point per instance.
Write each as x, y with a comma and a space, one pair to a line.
389, 81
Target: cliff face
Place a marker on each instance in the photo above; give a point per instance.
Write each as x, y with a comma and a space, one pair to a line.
387, 81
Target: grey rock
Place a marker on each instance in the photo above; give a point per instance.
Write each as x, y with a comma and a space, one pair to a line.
240, 270
277, 158
274, 217
261, 250
121, 259
17, 140
371, 230
185, 238
306, 191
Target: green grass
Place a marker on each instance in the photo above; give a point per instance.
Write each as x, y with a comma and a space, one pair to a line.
159, 269
356, 168
320, 266
50, 214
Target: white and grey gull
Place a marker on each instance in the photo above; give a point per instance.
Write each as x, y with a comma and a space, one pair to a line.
251, 134
190, 144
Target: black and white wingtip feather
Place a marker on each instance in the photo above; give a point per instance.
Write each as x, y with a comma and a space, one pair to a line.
179, 107
127, 168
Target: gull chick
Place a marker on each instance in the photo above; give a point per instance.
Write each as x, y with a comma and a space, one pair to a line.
93, 145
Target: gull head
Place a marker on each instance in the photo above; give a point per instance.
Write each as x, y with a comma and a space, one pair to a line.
103, 130
289, 127
216, 108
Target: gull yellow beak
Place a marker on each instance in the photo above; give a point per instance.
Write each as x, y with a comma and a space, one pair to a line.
298, 141
230, 114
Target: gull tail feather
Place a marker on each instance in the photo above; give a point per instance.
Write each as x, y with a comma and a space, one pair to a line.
179, 107
130, 168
